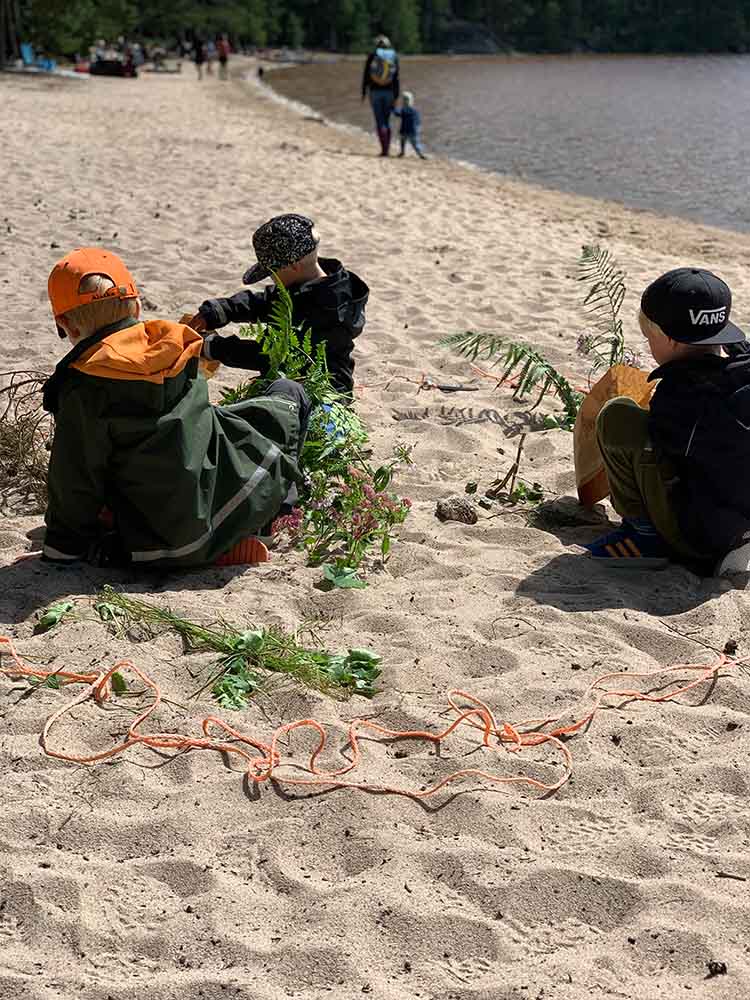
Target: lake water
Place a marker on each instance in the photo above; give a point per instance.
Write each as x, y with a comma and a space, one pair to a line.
656, 132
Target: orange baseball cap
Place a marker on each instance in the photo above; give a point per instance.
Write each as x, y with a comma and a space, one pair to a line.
67, 274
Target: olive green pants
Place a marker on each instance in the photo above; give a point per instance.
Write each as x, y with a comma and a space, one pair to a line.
639, 480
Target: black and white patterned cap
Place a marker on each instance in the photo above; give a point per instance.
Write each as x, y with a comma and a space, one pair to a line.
281, 241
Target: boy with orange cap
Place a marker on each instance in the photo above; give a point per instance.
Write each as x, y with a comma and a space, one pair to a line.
187, 483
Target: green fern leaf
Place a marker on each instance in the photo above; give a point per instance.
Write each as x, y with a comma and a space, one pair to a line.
535, 369
603, 301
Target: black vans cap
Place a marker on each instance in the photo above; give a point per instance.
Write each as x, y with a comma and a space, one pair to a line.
692, 306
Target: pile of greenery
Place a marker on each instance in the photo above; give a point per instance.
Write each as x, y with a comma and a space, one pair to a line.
347, 513
247, 657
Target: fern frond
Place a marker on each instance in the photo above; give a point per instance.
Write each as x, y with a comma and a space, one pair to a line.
471, 344
535, 370
281, 311
290, 354
598, 268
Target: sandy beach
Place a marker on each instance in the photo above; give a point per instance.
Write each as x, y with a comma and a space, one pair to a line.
158, 878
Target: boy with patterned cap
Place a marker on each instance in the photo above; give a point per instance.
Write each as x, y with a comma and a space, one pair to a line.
185, 483
327, 299
679, 473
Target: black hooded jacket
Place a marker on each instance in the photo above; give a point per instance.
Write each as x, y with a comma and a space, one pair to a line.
700, 419
332, 308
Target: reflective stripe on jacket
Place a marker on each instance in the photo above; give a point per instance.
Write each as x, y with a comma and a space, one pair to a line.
135, 433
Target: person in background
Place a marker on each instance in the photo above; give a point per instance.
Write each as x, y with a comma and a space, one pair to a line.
199, 56
223, 50
210, 56
381, 79
411, 121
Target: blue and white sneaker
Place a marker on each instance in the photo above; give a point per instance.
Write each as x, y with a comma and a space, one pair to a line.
634, 545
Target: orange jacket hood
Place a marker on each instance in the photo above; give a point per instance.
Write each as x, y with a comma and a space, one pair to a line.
146, 352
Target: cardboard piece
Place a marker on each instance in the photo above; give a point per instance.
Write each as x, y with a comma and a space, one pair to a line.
620, 380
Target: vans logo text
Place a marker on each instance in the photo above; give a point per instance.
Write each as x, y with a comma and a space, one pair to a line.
706, 317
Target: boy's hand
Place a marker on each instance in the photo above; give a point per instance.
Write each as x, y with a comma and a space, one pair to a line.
196, 323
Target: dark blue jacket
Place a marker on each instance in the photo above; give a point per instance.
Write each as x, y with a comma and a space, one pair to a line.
410, 120
700, 419
333, 309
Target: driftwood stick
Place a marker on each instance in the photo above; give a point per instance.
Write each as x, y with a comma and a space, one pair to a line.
516, 464
510, 476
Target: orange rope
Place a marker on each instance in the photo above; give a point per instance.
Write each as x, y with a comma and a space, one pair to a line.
261, 767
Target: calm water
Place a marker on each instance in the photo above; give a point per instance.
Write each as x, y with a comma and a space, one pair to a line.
663, 133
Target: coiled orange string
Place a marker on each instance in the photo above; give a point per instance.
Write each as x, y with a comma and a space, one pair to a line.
264, 764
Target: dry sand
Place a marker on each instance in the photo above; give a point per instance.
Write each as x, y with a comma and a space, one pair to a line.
166, 879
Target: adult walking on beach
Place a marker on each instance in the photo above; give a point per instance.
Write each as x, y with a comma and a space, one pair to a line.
199, 56
381, 78
223, 48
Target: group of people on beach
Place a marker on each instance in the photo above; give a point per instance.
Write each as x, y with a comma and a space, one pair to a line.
207, 53
144, 470
381, 79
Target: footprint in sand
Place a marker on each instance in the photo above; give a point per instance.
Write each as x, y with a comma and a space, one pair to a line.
467, 970
115, 966
10, 927
577, 832
686, 839
549, 938
702, 819
117, 914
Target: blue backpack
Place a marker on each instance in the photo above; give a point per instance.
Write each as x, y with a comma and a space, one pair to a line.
383, 67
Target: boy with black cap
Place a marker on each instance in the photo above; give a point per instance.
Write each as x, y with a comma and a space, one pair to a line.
327, 299
679, 473
185, 483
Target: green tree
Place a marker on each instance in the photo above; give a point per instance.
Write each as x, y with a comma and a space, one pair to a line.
66, 26
294, 31
404, 21
552, 29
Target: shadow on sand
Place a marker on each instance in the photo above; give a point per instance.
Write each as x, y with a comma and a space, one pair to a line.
31, 584
573, 582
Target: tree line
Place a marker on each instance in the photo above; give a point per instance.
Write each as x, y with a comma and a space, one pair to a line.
68, 26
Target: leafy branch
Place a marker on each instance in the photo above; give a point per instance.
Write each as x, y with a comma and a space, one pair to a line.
531, 370
247, 657
346, 509
606, 343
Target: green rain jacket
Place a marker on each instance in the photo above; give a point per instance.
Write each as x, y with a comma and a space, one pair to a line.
135, 433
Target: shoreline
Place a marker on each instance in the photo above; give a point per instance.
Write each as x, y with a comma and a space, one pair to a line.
567, 199
307, 109
171, 876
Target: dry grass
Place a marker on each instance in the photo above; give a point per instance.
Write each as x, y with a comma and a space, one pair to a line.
25, 433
